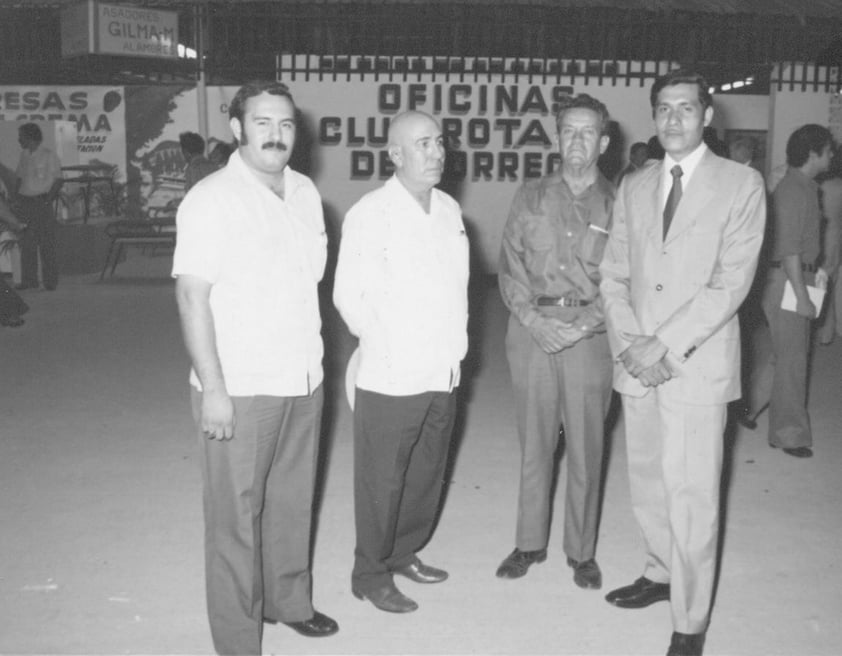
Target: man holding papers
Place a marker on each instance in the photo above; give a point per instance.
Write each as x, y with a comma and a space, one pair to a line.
781, 383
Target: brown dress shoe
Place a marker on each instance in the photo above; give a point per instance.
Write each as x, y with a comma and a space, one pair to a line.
318, 626
421, 573
387, 598
586, 574
517, 563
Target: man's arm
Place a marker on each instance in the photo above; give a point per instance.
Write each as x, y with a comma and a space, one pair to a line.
217, 412
832, 202
615, 284
350, 281
9, 178
792, 267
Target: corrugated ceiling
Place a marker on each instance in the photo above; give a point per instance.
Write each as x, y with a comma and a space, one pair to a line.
796, 8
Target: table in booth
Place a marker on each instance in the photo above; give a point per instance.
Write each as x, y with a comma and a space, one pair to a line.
87, 176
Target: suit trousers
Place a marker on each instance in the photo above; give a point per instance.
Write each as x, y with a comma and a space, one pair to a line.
39, 237
675, 453
780, 380
401, 445
258, 496
572, 389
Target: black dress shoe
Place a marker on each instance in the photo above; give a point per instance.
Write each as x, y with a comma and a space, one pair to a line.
25, 285
686, 644
799, 452
586, 574
639, 594
742, 415
517, 563
388, 598
421, 573
318, 626
746, 421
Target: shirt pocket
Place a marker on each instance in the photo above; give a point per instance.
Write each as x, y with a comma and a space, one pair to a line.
593, 244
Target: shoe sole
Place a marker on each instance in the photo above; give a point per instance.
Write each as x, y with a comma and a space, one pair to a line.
621, 603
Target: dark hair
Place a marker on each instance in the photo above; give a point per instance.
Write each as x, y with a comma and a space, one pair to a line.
251, 89
681, 76
583, 101
31, 131
639, 145
191, 143
810, 138
221, 152
654, 147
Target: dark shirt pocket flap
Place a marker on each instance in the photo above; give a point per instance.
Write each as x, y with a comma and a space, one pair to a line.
593, 244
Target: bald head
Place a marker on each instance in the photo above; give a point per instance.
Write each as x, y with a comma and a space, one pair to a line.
417, 150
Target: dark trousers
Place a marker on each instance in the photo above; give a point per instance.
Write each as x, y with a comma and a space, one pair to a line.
780, 380
571, 388
39, 237
401, 445
258, 496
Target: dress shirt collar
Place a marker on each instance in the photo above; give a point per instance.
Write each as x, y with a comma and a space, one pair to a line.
688, 166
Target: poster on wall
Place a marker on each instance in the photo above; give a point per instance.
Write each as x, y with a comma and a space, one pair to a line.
98, 112
499, 130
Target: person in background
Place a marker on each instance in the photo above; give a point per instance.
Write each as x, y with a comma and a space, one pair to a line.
12, 306
638, 155
38, 182
654, 149
555, 342
830, 185
250, 254
198, 166
220, 153
742, 150
401, 287
781, 382
680, 259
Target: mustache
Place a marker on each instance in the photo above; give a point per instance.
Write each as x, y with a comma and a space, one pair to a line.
276, 145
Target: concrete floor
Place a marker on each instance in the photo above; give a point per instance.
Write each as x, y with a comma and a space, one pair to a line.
101, 527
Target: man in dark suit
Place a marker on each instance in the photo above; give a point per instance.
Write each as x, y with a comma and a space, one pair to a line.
680, 259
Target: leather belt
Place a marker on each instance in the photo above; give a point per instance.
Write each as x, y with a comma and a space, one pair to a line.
561, 301
807, 268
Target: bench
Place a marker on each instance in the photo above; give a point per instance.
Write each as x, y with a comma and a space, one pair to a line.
154, 233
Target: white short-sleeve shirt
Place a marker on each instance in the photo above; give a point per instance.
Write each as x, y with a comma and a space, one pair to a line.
264, 257
37, 170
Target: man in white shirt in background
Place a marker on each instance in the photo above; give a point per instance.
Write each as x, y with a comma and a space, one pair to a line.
38, 183
401, 286
251, 252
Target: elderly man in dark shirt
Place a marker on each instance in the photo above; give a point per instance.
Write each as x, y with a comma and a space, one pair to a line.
556, 345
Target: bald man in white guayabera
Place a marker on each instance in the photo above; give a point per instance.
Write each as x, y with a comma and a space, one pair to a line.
401, 286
